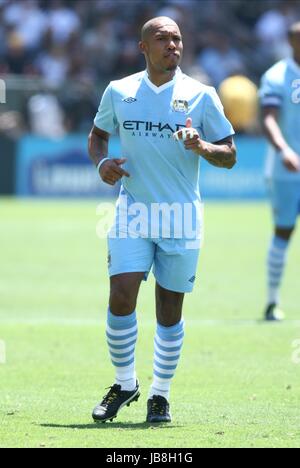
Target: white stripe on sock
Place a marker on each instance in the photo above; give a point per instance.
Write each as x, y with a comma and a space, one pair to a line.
276, 266
168, 344
122, 342
160, 385
127, 331
125, 375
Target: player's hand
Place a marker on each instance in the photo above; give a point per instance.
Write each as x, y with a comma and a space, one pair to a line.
191, 138
291, 160
111, 171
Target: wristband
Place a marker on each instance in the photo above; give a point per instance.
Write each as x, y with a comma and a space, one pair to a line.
101, 162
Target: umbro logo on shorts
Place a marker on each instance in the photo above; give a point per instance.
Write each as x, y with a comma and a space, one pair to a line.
129, 100
193, 279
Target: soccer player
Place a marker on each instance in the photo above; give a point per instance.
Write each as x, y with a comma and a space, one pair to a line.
154, 111
280, 100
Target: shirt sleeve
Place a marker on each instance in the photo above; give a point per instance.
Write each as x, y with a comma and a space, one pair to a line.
215, 126
106, 118
270, 92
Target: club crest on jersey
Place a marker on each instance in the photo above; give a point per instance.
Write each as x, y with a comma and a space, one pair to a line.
129, 100
179, 105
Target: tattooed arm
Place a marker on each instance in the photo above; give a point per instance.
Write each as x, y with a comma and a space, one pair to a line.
219, 154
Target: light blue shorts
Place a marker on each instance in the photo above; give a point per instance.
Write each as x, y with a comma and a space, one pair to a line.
174, 262
285, 199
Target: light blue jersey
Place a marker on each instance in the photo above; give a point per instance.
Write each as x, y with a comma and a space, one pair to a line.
162, 173
146, 116
280, 87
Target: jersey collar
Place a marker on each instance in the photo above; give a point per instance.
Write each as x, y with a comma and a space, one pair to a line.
159, 89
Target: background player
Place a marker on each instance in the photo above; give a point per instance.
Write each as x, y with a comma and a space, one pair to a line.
148, 108
280, 100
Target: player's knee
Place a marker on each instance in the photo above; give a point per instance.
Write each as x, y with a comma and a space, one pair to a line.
168, 314
121, 302
284, 233
169, 320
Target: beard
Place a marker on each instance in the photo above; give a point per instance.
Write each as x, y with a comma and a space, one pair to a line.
172, 68
173, 64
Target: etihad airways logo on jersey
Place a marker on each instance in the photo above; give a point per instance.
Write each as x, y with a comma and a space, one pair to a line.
147, 128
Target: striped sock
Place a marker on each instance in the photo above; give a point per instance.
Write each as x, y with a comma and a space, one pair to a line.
276, 264
167, 346
121, 333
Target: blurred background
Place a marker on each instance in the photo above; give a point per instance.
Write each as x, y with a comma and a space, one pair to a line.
237, 379
56, 58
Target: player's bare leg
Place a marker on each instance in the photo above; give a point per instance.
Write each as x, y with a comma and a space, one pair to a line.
168, 343
276, 265
284, 233
124, 291
168, 306
121, 337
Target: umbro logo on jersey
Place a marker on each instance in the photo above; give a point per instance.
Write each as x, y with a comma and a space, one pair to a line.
129, 100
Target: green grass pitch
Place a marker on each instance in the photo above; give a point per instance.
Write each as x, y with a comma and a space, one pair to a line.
236, 385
